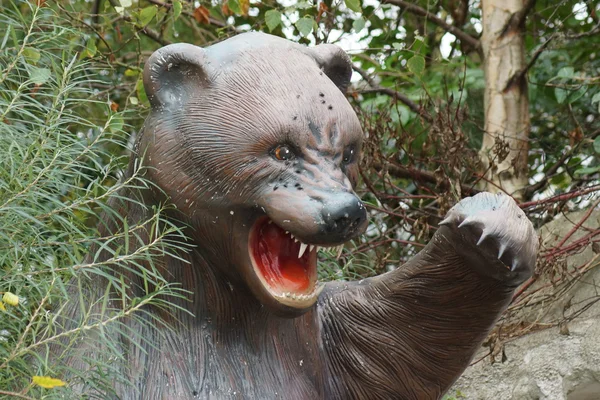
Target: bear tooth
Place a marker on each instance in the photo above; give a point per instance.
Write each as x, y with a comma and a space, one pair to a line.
311, 247
302, 249
319, 289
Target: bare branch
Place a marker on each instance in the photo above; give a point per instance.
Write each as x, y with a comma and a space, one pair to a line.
14, 394
414, 9
375, 88
561, 197
530, 190
399, 171
591, 32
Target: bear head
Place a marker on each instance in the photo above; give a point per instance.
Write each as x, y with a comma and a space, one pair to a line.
255, 143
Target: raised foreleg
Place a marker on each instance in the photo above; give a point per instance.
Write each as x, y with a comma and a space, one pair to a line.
410, 333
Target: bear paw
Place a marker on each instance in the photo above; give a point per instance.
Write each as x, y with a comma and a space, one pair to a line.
500, 230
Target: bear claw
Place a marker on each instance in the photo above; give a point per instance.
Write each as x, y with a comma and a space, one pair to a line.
506, 233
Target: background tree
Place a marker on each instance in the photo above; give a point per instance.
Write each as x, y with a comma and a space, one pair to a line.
455, 96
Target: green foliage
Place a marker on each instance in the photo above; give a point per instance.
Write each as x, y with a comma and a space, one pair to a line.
354, 5
305, 25
272, 19
457, 396
62, 153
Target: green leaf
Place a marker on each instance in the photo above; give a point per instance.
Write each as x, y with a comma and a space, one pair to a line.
560, 94
416, 65
39, 76
177, 9
147, 14
90, 48
576, 95
47, 382
587, 170
305, 25
302, 5
133, 100
596, 99
568, 96
401, 114
131, 72
141, 92
354, 5
566, 72
32, 56
272, 19
597, 145
561, 180
115, 125
358, 24
10, 299
234, 5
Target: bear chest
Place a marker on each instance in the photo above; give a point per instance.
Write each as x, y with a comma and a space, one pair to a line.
204, 364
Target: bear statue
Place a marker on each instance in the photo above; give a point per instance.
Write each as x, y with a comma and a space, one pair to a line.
254, 143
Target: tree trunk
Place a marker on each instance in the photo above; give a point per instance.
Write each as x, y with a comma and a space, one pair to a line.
505, 141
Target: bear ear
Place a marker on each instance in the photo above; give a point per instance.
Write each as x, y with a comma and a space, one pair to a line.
335, 63
173, 73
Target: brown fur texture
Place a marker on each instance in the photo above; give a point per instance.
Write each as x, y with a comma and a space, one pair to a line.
216, 115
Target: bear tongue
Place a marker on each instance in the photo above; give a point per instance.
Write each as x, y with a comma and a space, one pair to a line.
276, 256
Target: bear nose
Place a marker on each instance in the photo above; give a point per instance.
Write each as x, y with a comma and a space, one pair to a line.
343, 216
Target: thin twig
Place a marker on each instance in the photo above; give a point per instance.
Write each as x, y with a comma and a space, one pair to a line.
414, 9
519, 75
531, 189
375, 88
152, 34
212, 20
19, 395
591, 32
561, 197
420, 175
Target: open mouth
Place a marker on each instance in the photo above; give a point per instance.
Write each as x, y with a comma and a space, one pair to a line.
286, 266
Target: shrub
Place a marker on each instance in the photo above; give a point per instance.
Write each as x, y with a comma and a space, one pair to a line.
62, 156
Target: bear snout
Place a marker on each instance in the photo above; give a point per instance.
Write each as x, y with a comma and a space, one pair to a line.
344, 216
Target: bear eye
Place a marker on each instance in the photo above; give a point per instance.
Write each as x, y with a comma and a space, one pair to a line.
348, 156
283, 153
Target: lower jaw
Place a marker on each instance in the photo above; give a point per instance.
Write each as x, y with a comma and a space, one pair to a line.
299, 301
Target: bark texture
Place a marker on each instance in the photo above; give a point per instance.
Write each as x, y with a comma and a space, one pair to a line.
506, 128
